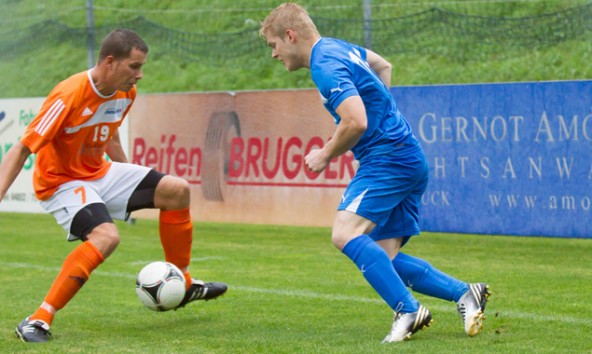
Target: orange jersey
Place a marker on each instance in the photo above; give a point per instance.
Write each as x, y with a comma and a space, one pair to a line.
71, 131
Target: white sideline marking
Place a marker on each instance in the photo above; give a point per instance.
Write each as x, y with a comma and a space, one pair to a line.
329, 297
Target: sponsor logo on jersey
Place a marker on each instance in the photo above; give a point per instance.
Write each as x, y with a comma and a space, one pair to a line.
113, 111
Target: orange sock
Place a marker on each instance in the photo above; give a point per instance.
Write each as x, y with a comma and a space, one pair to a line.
43, 315
176, 236
188, 280
74, 273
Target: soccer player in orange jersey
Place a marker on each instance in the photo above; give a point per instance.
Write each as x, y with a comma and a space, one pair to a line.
76, 126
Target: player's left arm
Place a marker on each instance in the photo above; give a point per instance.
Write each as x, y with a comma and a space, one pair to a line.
115, 150
352, 126
381, 66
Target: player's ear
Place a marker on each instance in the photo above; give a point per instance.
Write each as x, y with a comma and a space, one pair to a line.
109, 61
291, 35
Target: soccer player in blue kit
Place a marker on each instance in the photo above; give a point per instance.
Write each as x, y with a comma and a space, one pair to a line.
379, 210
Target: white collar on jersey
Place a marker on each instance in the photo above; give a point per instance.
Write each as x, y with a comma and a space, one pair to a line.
95, 88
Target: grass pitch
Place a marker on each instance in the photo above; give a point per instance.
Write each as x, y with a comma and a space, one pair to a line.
290, 291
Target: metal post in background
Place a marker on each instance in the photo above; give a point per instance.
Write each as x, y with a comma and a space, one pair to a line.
367, 8
90, 30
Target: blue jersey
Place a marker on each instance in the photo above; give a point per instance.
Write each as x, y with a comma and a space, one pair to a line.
339, 70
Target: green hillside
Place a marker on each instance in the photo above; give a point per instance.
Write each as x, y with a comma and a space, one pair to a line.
42, 42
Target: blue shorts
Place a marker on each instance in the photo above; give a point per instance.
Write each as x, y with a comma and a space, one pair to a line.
388, 193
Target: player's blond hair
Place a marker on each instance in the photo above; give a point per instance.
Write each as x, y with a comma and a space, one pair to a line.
288, 16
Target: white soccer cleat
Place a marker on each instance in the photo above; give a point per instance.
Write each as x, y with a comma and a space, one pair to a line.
471, 306
406, 324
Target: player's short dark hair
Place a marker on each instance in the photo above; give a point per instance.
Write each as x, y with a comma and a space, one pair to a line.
119, 44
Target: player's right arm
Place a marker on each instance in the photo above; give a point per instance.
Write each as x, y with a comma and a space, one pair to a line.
12, 165
352, 126
381, 67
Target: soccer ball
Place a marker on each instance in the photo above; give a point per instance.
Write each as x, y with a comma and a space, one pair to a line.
160, 286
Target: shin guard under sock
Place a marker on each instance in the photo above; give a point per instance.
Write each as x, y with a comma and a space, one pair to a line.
422, 277
176, 237
74, 273
376, 266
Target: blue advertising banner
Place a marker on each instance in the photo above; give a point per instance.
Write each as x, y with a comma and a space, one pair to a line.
512, 158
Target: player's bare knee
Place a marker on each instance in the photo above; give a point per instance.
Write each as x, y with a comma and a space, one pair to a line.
172, 193
347, 226
105, 237
109, 235
340, 239
184, 191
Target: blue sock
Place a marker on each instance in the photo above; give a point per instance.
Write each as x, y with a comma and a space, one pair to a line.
422, 277
376, 266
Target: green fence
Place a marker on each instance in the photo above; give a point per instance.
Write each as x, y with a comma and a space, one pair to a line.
218, 30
